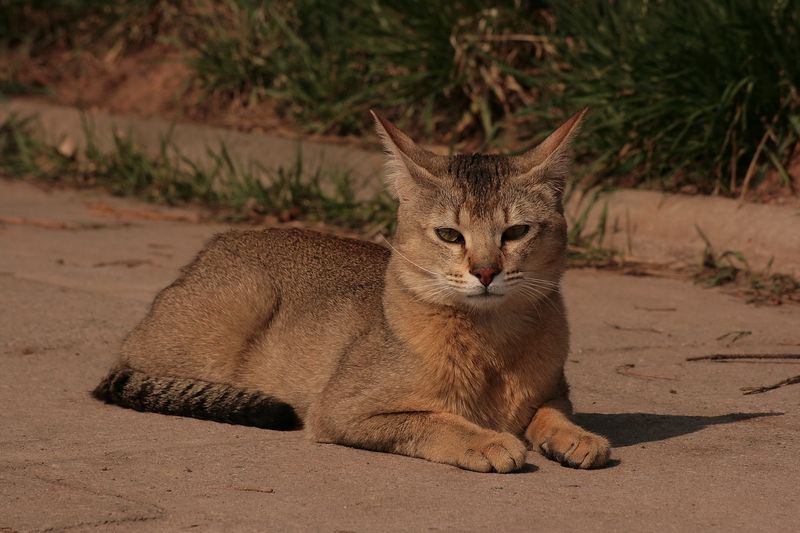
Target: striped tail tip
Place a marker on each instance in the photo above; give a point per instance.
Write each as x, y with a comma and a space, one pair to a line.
205, 400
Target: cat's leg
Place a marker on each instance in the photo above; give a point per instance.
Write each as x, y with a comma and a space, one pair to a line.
439, 437
553, 433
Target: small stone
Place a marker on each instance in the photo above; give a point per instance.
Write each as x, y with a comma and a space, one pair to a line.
67, 147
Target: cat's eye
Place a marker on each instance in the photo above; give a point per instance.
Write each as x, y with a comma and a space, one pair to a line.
515, 232
449, 235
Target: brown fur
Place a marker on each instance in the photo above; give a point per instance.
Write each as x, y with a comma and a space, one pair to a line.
402, 351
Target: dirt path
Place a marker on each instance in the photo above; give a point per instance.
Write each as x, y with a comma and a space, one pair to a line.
77, 270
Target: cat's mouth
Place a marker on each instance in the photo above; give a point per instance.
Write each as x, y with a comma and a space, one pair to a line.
485, 294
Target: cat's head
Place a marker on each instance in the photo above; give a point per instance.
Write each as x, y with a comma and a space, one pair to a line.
479, 231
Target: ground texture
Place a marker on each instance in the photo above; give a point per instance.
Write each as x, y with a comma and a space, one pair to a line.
77, 270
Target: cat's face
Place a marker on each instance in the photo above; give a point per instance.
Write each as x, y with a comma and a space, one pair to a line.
479, 231
467, 252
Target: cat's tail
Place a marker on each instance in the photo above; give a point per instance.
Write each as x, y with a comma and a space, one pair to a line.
194, 398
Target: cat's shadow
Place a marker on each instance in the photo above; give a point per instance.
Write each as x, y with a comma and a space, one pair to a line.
629, 429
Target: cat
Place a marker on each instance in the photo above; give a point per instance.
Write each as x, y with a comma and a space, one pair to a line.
450, 346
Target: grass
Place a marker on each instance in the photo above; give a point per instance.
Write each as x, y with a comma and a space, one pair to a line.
233, 190
709, 105
39, 25
712, 106
731, 270
586, 248
327, 64
728, 270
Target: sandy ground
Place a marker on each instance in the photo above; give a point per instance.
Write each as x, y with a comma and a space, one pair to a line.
77, 270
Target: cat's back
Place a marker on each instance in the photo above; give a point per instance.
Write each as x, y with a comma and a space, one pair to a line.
297, 260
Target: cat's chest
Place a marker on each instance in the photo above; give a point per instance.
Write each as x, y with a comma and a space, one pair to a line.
494, 371
497, 387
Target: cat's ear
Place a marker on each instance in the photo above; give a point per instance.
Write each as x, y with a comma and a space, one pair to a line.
408, 166
549, 161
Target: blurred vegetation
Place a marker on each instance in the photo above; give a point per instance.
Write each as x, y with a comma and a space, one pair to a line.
40, 25
694, 96
700, 93
234, 190
435, 65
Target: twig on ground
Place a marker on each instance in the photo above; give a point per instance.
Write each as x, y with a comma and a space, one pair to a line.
627, 370
265, 490
626, 328
758, 390
130, 263
742, 357
734, 336
643, 308
726, 357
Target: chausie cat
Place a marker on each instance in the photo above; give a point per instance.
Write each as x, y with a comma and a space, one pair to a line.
449, 347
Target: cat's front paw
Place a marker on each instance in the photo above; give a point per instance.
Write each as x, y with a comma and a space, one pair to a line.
494, 452
576, 447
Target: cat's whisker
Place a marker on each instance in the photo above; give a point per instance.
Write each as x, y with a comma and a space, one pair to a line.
432, 288
424, 288
551, 305
545, 288
434, 294
401, 254
436, 282
535, 301
539, 296
541, 285
536, 273
535, 298
542, 281
537, 283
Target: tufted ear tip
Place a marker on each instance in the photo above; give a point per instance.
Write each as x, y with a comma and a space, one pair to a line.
574, 122
563, 135
378, 117
552, 154
406, 162
392, 136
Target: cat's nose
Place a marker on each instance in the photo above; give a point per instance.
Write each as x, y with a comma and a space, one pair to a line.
485, 273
